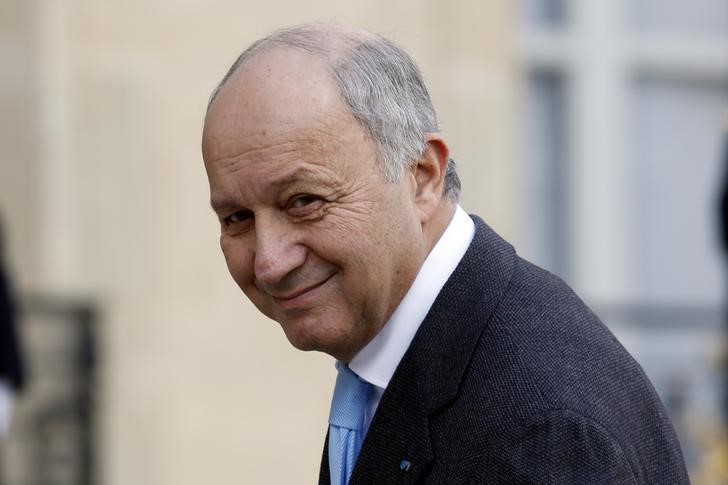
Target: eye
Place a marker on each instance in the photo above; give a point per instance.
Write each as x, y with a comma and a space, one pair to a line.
238, 221
303, 201
304, 204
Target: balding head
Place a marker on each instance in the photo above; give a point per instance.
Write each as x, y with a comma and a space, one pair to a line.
379, 83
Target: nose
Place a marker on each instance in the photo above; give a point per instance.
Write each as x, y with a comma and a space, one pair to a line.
277, 252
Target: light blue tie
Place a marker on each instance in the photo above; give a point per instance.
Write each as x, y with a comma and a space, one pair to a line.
346, 421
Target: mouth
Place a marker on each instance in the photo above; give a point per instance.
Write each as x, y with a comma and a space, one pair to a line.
299, 296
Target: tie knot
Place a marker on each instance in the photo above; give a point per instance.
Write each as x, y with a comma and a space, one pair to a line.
350, 398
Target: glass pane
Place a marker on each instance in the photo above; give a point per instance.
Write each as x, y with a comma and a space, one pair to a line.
545, 171
544, 13
676, 160
680, 16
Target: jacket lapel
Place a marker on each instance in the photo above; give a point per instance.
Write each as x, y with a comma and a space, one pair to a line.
397, 447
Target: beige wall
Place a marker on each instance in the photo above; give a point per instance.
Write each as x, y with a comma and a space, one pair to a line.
104, 195
19, 153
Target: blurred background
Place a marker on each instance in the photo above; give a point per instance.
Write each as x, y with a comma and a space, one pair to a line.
591, 134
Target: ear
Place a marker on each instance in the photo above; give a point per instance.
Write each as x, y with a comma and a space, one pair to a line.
429, 173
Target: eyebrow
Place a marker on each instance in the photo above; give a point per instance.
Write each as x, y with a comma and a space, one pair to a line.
220, 204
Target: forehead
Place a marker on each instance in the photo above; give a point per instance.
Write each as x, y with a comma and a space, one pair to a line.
273, 94
280, 118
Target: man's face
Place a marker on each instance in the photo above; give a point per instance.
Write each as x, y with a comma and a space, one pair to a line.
310, 230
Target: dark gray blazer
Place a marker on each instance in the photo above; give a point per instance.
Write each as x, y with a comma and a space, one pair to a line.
511, 379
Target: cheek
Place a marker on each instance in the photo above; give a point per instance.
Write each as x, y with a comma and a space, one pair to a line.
240, 261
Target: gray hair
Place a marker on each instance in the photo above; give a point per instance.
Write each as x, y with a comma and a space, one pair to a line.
380, 83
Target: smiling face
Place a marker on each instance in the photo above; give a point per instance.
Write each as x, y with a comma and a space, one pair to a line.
310, 230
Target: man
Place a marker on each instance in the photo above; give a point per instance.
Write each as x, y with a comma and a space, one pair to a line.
458, 361
11, 372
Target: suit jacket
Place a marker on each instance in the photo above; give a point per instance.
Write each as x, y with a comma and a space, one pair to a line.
511, 379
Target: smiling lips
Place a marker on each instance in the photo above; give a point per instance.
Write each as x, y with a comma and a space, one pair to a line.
295, 297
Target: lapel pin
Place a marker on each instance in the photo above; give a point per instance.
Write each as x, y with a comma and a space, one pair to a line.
405, 465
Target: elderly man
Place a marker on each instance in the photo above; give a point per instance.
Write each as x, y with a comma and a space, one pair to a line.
458, 361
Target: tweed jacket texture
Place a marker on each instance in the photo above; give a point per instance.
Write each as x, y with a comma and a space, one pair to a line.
511, 379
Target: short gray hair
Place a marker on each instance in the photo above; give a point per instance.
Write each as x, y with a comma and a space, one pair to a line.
380, 83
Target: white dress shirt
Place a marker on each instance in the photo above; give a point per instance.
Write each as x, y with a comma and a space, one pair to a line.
378, 360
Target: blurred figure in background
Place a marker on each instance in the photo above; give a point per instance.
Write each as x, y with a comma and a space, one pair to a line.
11, 372
723, 222
724, 189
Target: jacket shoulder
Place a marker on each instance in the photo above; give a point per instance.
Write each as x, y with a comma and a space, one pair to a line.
558, 379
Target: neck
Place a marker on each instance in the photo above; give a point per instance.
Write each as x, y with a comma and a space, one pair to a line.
435, 226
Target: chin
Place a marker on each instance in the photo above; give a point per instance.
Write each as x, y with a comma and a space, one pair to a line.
309, 335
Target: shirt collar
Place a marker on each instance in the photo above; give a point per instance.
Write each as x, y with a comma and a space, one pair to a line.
378, 360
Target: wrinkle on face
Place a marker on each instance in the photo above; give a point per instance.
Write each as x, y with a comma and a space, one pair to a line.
289, 164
